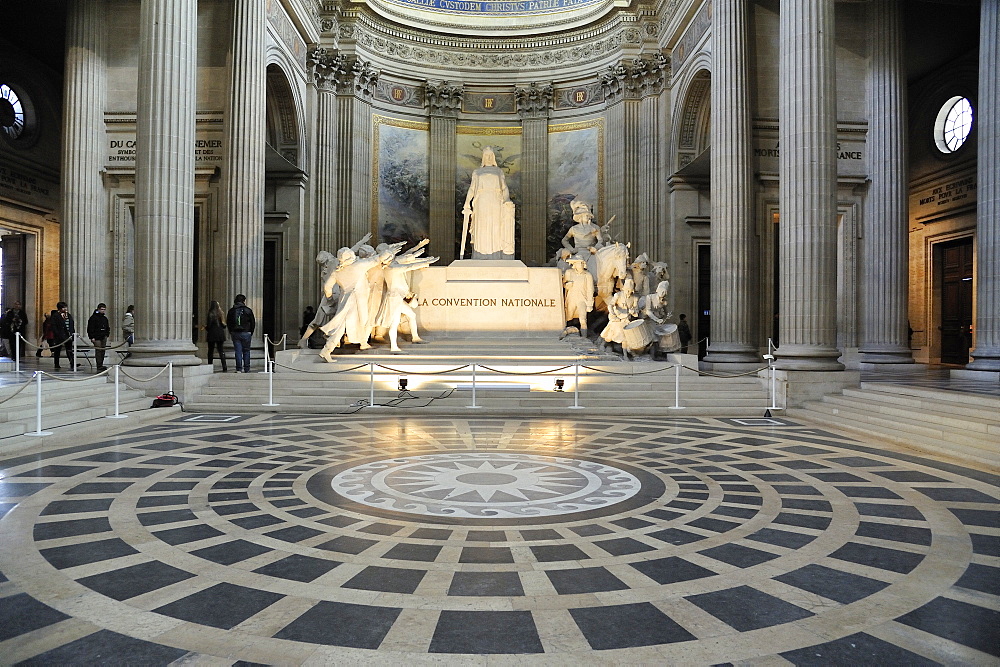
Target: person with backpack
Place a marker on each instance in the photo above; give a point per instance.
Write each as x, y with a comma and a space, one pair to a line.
241, 323
13, 323
63, 329
98, 330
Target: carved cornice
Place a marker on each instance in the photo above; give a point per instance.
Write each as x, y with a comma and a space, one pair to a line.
635, 78
443, 98
534, 101
341, 74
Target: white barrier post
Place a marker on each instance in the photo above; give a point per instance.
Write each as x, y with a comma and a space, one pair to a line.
576, 388
371, 383
677, 389
76, 366
270, 387
170, 374
38, 407
284, 342
17, 352
116, 415
474, 389
267, 352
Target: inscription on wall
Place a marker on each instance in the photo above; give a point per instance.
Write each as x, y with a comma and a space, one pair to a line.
24, 187
943, 197
121, 151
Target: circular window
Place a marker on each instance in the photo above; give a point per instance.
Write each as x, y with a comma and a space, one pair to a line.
953, 124
11, 112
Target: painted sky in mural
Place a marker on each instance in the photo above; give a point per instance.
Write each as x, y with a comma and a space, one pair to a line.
573, 174
403, 183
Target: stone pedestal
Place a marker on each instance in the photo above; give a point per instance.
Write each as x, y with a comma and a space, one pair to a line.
490, 296
793, 388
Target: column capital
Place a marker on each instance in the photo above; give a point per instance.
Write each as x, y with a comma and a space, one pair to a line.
534, 100
635, 78
443, 98
342, 74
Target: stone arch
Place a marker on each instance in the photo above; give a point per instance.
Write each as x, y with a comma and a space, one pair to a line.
692, 118
283, 129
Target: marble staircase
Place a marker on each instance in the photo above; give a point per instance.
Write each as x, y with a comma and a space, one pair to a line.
64, 403
950, 424
513, 376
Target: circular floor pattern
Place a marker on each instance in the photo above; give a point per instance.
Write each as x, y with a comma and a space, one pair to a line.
708, 541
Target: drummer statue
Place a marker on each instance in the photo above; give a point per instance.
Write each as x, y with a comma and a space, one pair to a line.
656, 307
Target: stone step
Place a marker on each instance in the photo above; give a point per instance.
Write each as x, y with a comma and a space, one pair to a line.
949, 415
487, 410
967, 452
951, 397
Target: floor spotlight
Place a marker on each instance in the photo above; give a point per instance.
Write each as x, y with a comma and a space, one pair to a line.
560, 383
402, 384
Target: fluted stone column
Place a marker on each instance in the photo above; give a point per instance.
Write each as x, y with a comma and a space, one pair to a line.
444, 101
734, 290
355, 83
164, 183
244, 175
533, 104
987, 350
807, 192
323, 65
885, 244
85, 281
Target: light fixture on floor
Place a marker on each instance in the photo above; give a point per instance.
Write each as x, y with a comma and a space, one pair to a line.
402, 384
560, 383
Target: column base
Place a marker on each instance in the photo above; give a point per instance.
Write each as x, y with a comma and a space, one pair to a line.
807, 358
794, 388
973, 374
162, 352
985, 359
732, 356
886, 354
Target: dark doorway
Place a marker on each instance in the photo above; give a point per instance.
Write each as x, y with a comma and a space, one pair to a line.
955, 260
704, 297
14, 257
272, 250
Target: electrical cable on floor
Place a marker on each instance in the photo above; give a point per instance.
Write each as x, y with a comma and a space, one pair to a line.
399, 400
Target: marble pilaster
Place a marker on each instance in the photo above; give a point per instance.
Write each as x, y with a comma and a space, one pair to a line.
354, 81
164, 183
885, 243
444, 100
807, 191
244, 175
533, 104
732, 219
987, 350
85, 282
323, 67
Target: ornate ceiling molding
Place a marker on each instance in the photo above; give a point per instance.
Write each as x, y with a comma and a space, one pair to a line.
635, 78
534, 101
342, 74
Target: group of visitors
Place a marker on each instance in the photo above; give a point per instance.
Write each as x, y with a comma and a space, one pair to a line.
241, 323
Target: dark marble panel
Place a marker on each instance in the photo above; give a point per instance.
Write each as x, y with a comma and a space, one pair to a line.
97, 648
87, 552
226, 496
715, 525
482, 632
342, 624
221, 606
134, 580
88, 488
131, 472
55, 471
806, 504
627, 625
486, 555
341, 521
955, 495
985, 545
738, 512
632, 523
738, 555
487, 536
803, 520
298, 567
228, 553
907, 476
558, 552
590, 530
294, 533
75, 506
670, 570
540, 534
258, 521
888, 531
858, 462
893, 560
856, 649
187, 534
168, 461
624, 546
781, 538
56, 529
742, 499
584, 580
746, 608
161, 501
380, 529
170, 516
22, 613
889, 511
416, 552
110, 457
868, 492
386, 579
347, 544
485, 584
307, 512
235, 508
833, 584
428, 533
985, 518
665, 515
676, 536
981, 578
173, 486
960, 622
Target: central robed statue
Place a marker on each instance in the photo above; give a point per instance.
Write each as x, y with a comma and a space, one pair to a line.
491, 212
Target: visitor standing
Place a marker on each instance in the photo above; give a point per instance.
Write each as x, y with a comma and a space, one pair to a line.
215, 328
47, 335
241, 323
684, 331
98, 330
14, 323
63, 330
128, 325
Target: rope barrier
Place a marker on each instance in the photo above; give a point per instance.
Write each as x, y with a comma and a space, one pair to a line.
82, 347
89, 377
303, 370
18, 391
132, 377
411, 372
497, 370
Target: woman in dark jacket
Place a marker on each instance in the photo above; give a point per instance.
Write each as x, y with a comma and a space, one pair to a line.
215, 327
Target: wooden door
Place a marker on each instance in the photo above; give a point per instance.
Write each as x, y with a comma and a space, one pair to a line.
13, 248
956, 301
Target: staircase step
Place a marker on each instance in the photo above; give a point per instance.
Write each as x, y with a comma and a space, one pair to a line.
889, 408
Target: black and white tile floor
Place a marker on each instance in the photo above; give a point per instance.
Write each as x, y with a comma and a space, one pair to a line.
290, 540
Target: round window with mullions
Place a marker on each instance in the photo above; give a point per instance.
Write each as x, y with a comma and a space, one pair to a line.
953, 124
12, 118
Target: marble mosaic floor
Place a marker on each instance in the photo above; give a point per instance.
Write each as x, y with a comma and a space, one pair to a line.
288, 540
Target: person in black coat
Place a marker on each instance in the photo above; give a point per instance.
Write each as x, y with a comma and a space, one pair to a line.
63, 329
215, 328
14, 322
98, 330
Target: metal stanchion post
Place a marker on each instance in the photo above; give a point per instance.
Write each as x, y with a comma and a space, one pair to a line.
474, 389
76, 358
677, 389
270, 387
267, 352
17, 352
170, 374
117, 415
371, 383
576, 388
38, 407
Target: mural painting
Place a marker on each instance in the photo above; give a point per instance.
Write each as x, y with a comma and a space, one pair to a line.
402, 209
576, 171
506, 144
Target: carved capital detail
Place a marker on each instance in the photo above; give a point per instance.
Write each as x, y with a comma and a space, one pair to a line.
443, 98
345, 75
534, 101
635, 78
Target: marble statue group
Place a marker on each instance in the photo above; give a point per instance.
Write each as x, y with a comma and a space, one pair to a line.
366, 294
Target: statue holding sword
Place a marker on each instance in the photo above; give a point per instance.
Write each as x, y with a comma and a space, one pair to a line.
488, 213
